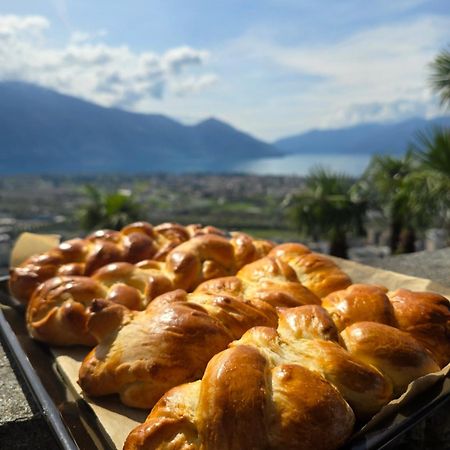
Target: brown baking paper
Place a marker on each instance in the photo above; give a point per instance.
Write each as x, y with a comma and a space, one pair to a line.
118, 420
28, 244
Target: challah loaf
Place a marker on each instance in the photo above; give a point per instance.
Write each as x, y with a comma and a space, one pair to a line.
171, 341
135, 242
396, 354
426, 317
289, 388
357, 303
58, 310
423, 315
315, 271
244, 403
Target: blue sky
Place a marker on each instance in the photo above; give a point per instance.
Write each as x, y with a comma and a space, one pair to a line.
271, 68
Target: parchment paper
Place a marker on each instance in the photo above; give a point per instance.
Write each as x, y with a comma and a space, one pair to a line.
118, 420
28, 244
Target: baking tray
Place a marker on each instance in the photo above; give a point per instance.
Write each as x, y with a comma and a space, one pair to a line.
75, 426
71, 421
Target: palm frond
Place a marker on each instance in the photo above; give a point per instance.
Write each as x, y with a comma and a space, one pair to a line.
440, 76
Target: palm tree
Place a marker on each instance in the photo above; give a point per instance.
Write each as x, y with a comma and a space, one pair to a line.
440, 76
389, 191
327, 208
407, 195
432, 148
108, 210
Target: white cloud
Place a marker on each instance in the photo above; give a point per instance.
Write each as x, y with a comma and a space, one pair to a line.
195, 84
385, 112
79, 37
176, 59
377, 74
85, 67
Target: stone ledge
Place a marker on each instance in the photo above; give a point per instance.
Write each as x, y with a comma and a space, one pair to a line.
433, 265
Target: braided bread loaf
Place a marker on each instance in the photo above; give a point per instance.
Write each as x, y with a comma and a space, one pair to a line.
173, 339
277, 389
315, 271
134, 243
424, 315
58, 310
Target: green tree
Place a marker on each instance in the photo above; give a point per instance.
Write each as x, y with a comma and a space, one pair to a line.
407, 195
328, 209
108, 210
432, 181
432, 148
440, 76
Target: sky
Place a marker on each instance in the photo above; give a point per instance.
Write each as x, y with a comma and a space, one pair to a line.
272, 68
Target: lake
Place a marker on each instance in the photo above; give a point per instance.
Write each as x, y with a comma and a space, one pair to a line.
301, 164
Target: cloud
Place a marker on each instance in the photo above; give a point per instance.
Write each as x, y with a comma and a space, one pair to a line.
385, 112
79, 37
91, 69
195, 84
28, 26
178, 58
379, 73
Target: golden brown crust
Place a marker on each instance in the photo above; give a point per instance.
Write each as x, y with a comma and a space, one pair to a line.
289, 250
274, 381
195, 229
267, 279
174, 332
200, 259
135, 242
307, 322
166, 345
224, 415
396, 354
314, 271
236, 314
305, 405
358, 303
134, 286
248, 249
363, 387
57, 310
426, 316
243, 402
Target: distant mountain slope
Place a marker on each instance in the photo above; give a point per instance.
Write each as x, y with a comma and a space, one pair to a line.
42, 131
390, 138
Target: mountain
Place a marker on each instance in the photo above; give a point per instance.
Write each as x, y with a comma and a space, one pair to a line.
43, 131
392, 138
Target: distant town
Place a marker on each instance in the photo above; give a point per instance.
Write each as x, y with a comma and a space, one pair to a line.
52, 204
259, 205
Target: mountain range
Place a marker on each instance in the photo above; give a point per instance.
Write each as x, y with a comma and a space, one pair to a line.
42, 131
368, 138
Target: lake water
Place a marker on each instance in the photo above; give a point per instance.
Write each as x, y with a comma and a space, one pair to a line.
301, 164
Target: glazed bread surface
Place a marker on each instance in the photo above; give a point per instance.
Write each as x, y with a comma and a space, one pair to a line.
284, 407
281, 388
135, 242
315, 271
357, 303
133, 285
426, 317
229, 307
423, 315
396, 354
